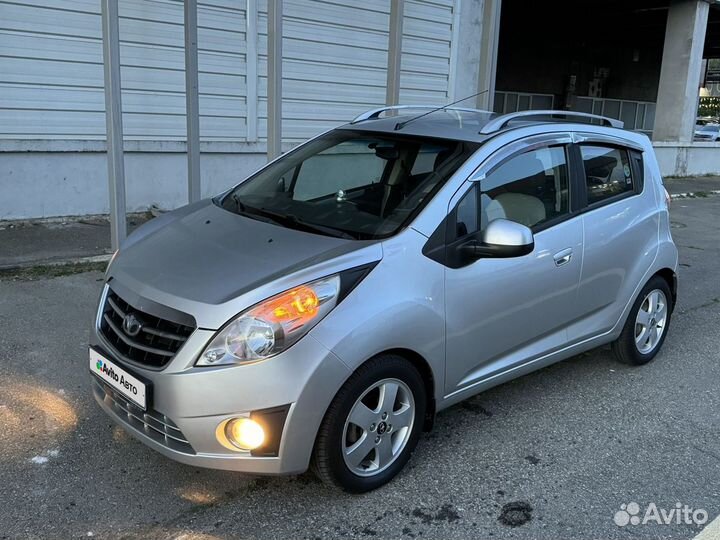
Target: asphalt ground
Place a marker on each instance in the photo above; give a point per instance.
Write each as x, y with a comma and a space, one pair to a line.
551, 455
24, 243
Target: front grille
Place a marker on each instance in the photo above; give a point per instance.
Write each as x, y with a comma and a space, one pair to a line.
153, 346
155, 425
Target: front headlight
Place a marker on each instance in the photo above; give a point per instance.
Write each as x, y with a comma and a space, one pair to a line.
273, 325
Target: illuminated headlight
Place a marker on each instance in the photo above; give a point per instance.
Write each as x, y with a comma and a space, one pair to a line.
272, 326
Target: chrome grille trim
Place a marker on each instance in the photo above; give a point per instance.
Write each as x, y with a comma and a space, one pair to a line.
152, 347
131, 342
167, 335
152, 423
116, 307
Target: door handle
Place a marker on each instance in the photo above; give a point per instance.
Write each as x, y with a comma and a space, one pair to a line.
563, 257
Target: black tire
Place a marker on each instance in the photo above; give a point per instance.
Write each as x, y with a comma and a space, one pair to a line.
624, 348
328, 462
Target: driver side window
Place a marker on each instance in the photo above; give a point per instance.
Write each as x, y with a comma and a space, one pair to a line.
531, 189
467, 217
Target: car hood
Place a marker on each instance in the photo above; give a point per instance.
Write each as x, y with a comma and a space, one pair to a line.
209, 255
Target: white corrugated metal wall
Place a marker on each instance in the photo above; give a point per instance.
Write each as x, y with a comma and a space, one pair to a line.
51, 73
52, 121
335, 58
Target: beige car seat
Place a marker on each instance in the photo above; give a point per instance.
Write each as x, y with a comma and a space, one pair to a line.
518, 207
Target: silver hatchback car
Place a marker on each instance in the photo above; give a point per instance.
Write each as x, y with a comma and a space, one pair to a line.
321, 312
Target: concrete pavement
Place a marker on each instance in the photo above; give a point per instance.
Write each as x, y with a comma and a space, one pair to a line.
555, 453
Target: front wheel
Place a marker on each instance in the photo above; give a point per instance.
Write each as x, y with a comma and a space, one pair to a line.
647, 324
372, 426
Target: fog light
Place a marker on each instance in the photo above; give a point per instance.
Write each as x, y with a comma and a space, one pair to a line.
245, 433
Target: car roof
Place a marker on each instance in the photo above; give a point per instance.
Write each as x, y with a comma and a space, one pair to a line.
455, 125
463, 124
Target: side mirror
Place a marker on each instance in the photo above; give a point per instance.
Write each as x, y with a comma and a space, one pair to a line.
501, 238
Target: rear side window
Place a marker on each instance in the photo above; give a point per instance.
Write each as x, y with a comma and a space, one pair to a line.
608, 172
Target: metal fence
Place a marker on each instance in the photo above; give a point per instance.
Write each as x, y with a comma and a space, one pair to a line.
636, 115
508, 102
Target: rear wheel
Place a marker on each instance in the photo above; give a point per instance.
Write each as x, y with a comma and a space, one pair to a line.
647, 324
372, 426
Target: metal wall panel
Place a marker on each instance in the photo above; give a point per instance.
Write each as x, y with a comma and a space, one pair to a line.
335, 59
51, 75
427, 39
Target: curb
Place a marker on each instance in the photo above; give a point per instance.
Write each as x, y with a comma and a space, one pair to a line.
55, 262
695, 194
88, 219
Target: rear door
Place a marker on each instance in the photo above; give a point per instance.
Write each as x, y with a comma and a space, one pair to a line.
620, 221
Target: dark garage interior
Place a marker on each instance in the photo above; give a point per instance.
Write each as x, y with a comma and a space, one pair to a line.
571, 49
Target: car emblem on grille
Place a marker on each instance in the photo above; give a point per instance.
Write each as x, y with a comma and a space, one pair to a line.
132, 325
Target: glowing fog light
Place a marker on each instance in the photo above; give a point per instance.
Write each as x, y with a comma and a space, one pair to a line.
245, 433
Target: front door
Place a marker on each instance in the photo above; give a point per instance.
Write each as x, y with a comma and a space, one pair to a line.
502, 312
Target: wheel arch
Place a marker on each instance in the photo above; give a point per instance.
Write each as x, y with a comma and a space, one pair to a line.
669, 275
665, 273
426, 373
428, 378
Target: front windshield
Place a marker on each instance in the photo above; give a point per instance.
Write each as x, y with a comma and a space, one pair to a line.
349, 183
709, 128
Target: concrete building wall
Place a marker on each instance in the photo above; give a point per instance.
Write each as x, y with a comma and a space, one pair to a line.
688, 159
681, 73
52, 120
44, 183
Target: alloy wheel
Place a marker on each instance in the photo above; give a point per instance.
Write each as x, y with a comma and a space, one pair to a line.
378, 427
650, 321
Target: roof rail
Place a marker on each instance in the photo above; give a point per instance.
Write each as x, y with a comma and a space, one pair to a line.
501, 121
375, 113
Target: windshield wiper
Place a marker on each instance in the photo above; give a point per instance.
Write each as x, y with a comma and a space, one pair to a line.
292, 220
249, 211
239, 205
286, 220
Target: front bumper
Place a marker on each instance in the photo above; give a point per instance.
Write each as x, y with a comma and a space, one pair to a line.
188, 403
